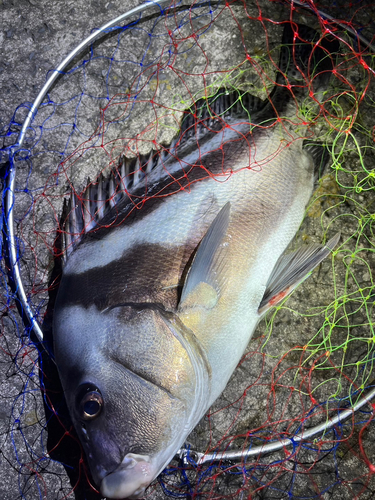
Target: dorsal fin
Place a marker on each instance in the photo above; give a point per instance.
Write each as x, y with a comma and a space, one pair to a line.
211, 114
203, 120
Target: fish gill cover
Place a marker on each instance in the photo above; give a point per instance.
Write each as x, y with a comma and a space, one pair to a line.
311, 358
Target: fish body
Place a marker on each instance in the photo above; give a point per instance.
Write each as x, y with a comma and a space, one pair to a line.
159, 299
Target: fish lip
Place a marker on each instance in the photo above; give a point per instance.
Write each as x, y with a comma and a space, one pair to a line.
130, 479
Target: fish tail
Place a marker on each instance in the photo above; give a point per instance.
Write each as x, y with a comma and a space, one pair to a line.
305, 65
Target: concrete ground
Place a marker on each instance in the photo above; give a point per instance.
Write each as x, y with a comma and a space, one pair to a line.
309, 358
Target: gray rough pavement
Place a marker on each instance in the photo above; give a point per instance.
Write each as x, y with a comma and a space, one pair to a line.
34, 38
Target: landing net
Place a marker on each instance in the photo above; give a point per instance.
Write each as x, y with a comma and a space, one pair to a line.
311, 359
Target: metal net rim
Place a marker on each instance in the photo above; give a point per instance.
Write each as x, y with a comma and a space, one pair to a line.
9, 196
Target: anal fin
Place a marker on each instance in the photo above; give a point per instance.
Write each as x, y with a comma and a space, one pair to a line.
293, 268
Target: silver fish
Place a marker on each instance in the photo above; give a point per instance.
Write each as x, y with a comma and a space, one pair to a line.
164, 284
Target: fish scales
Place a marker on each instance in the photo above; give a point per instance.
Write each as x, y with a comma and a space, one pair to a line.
177, 230
159, 300
147, 243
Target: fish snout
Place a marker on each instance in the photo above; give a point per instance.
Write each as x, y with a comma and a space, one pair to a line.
130, 479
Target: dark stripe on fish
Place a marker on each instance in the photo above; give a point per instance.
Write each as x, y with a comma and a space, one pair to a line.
120, 281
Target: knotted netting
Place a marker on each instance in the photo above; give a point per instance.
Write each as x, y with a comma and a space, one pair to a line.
311, 359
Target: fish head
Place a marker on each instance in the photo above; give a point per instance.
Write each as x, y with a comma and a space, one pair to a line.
134, 387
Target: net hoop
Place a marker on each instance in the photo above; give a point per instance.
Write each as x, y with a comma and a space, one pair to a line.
9, 194
14, 271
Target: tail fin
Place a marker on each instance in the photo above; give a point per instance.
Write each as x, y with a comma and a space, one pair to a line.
306, 62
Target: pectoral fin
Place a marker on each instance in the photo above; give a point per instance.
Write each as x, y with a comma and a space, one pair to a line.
293, 268
206, 274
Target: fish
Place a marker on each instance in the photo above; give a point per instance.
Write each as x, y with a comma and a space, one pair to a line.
171, 262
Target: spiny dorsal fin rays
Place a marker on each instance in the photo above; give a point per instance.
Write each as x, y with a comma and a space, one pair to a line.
293, 268
86, 211
74, 223
100, 200
138, 174
206, 277
112, 190
89, 208
131, 174
209, 115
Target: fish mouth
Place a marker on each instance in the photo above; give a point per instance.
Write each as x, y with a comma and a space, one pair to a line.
130, 479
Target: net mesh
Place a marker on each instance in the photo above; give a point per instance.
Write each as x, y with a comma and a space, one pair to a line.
313, 355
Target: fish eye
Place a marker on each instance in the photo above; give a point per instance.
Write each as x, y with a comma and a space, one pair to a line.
91, 405
90, 402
